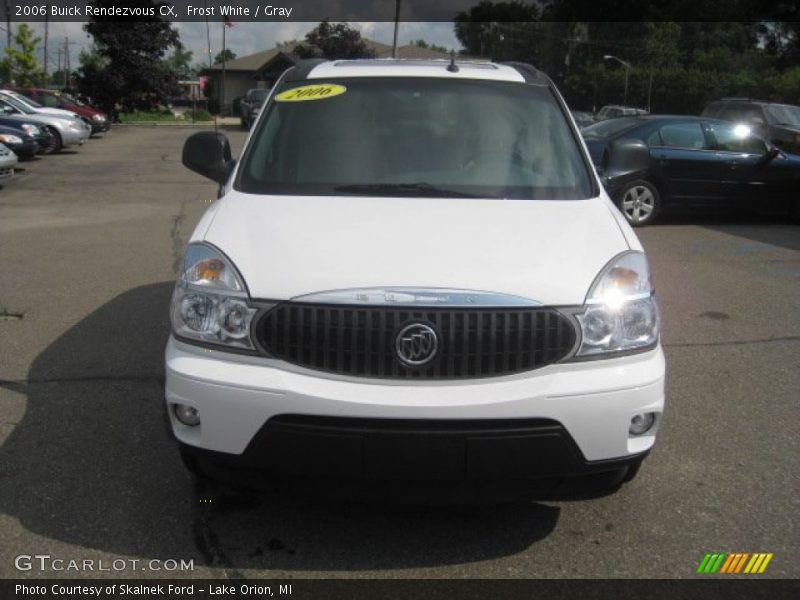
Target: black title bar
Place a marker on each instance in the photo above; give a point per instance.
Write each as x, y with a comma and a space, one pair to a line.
385, 10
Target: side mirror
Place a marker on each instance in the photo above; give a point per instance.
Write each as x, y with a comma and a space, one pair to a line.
771, 154
626, 157
209, 154
7, 110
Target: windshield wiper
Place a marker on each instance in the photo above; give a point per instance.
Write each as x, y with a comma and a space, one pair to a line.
404, 189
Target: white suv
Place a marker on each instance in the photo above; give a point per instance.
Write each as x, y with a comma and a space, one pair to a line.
413, 272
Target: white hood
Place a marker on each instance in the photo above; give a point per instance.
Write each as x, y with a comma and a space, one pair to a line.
287, 246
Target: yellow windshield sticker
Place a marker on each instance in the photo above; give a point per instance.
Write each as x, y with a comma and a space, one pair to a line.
318, 91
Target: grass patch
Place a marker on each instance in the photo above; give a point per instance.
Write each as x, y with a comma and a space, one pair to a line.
199, 115
165, 116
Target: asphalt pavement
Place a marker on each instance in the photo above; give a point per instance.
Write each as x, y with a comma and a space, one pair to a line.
89, 243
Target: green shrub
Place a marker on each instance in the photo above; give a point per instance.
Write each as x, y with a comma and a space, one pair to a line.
199, 114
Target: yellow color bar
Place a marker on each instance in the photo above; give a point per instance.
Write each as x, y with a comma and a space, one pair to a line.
764, 564
753, 564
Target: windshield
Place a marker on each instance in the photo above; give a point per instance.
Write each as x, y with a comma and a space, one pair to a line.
19, 105
71, 99
415, 136
606, 129
784, 114
25, 100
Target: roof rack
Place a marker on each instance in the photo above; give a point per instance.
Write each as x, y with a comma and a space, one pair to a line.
303, 67
530, 73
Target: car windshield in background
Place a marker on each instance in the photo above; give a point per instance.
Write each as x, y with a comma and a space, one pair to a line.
71, 99
26, 100
611, 127
260, 95
784, 114
415, 137
20, 106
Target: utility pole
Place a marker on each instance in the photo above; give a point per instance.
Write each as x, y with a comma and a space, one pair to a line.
46, 27
396, 26
627, 66
8, 25
67, 67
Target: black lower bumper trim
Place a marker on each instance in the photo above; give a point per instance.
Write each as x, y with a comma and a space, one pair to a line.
418, 450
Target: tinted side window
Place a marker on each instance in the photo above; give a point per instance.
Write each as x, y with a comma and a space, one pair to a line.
654, 139
750, 112
683, 135
736, 138
728, 112
49, 100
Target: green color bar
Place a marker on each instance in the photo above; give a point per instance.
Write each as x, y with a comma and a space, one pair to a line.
703, 563
718, 564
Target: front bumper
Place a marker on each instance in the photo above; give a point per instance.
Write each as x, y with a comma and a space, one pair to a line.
243, 399
27, 149
75, 137
100, 126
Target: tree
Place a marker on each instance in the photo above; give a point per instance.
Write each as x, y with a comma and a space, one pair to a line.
180, 62
499, 30
227, 54
132, 72
20, 64
332, 42
429, 46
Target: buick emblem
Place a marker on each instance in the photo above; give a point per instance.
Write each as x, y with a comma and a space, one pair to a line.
416, 344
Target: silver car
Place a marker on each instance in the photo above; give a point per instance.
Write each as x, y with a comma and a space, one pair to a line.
66, 131
8, 160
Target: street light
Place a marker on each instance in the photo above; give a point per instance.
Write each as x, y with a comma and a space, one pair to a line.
627, 66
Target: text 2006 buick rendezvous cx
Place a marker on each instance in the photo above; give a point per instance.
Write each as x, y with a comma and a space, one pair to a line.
413, 272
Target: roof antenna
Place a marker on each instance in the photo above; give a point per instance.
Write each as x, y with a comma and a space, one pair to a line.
452, 67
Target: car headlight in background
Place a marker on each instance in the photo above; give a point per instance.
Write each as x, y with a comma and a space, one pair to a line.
620, 313
10, 139
210, 300
98, 117
30, 129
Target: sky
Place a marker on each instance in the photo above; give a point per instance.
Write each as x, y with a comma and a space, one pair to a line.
246, 38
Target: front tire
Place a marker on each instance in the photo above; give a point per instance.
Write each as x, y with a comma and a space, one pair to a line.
57, 144
640, 202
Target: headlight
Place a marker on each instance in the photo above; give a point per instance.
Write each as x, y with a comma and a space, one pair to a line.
10, 139
620, 310
76, 125
30, 129
210, 300
98, 117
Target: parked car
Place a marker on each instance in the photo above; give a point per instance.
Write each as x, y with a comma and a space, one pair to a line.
23, 146
413, 271
778, 123
8, 160
65, 131
28, 130
613, 111
693, 161
95, 118
17, 98
250, 106
583, 119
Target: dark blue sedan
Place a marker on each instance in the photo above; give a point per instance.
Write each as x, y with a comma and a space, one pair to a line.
694, 161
